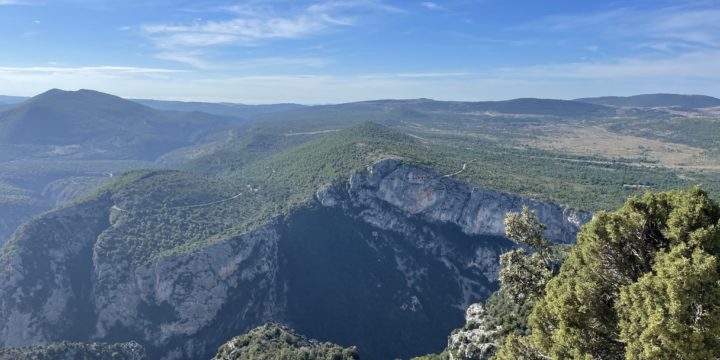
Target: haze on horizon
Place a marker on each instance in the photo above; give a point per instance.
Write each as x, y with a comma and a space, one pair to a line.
330, 51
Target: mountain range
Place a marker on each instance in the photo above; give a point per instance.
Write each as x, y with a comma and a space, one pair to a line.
372, 224
656, 100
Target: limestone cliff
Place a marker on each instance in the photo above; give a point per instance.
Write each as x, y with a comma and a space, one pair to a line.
387, 259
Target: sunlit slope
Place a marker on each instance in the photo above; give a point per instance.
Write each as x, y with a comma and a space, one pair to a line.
156, 213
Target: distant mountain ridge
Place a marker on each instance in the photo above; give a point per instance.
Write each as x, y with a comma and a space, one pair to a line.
63, 118
655, 100
4, 99
9, 102
514, 106
224, 109
519, 105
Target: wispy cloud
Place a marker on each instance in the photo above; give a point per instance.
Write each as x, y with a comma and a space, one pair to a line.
257, 24
432, 6
699, 65
691, 24
192, 58
416, 75
253, 25
109, 70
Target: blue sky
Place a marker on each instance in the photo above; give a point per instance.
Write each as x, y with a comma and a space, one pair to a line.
328, 51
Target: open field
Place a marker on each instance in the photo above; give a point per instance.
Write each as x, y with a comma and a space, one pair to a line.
597, 141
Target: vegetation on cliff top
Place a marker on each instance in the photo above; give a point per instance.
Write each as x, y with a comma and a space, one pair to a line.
276, 342
76, 351
161, 212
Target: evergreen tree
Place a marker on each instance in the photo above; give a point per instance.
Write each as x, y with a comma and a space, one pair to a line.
673, 312
640, 282
522, 275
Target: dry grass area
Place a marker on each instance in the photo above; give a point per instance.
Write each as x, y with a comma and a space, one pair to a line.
712, 112
598, 141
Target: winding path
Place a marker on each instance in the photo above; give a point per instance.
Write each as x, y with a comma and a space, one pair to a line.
459, 171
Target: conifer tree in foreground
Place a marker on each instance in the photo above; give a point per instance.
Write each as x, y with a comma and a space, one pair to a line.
641, 283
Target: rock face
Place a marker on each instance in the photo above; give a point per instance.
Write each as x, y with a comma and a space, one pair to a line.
387, 260
418, 191
472, 342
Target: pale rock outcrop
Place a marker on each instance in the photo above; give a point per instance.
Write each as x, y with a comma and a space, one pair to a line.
421, 192
473, 342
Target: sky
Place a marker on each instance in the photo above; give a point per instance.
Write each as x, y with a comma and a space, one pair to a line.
331, 51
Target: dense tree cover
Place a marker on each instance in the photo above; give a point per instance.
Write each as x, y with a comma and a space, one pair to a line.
441, 356
276, 342
155, 222
673, 312
76, 351
642, 283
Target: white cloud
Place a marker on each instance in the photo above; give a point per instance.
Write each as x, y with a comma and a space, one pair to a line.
254, 25
416, 75
431, 5
101, 70
260, 24
691, 24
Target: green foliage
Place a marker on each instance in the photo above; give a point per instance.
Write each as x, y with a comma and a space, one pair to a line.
76, 351
509, 314
517, 347
673, 312
272, 181
589, 310
523, 276
275, 342
441, 356
506, 314
14, 196
524, 228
